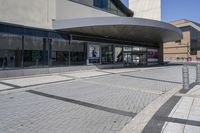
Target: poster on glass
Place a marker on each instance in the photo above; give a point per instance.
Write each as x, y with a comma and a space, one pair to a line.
94, 53
152, 56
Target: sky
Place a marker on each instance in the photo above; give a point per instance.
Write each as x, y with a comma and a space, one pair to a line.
125, 2
179, 9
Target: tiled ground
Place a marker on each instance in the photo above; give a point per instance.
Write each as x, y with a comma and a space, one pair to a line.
22, 82
188, 110
3, 87
186, 114
85, 74
103, 104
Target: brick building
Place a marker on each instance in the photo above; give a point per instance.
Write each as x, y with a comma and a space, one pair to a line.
189, 45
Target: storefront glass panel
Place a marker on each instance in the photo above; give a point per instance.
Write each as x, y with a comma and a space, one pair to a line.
135, 56
93, 53
152, 56
127, 54
78, 53
35, 52
139, 56
118, 55
60, 52
10, 51
107, 54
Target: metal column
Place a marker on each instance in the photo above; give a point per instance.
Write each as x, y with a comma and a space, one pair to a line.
198, 72
185, 77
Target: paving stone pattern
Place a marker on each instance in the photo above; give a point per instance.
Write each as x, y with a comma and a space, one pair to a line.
24, 112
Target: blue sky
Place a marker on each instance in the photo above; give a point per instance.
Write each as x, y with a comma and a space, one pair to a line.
125, 2
179, 9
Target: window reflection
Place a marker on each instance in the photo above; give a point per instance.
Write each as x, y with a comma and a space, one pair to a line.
10, 51
107, 54
60, 52
78, 53
118, 55
35, 52
135, 56
101, 4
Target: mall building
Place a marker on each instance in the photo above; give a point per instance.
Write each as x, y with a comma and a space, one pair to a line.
189, 46
62, 35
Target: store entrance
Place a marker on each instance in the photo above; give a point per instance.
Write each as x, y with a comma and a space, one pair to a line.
139, 59
134, 58
127, 59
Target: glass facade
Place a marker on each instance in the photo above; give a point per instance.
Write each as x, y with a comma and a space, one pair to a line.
109, 6
106, 5
59, 52
135, 56
118, 55
195, 39
35, 52
33, 48
10, 51
107, 54
22, 47
78, 53
103, 4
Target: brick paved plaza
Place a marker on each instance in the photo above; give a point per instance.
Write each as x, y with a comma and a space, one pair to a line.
96, 101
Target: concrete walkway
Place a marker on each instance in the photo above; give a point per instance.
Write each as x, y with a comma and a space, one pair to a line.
131, 100
180, 114
186, 114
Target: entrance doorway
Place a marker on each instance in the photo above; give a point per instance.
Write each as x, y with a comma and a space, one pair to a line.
134, 58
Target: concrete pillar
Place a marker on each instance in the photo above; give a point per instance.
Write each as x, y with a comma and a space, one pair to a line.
198, 72
185, 77
160, 58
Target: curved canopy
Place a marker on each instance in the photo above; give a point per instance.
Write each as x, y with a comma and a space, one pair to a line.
123, 28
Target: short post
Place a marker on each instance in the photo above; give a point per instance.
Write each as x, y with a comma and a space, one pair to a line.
185, 71
198, 72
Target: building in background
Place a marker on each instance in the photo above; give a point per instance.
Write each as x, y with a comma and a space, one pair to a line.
62, 35
150, 9
189, 47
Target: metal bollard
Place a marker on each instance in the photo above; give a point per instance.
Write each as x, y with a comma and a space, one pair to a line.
198, 72
185, 71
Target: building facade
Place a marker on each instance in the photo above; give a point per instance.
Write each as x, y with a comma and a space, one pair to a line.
63, 33
149, 9
189, 47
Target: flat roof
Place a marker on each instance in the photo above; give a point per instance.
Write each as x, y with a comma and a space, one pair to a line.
123, 28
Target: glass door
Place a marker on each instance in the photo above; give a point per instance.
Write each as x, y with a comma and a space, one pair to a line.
134, 56
127, 59
139, 59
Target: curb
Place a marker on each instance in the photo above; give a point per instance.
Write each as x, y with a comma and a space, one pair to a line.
138, 123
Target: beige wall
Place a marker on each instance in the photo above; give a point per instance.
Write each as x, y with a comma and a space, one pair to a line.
150, 9
173, 50
40, 13
34, 13
69, 10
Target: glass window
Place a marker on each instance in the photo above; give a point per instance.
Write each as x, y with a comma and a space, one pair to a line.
10, 51
127, 49
60, 52
118, 55
113, 8
107, 54
139, 49
101, 4
107, 5
93, 53
35, 52
152, 56
78, 53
